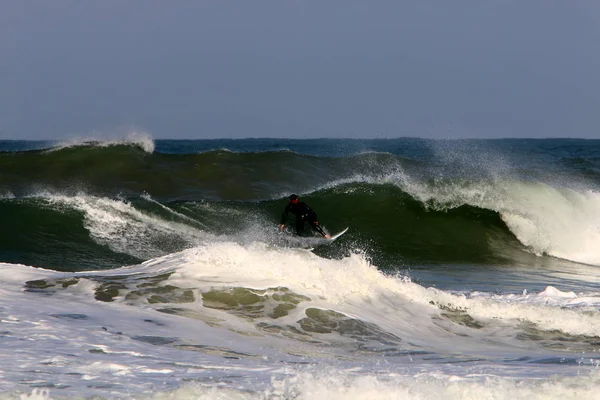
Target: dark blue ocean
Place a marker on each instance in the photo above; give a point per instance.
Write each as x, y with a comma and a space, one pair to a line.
141, 268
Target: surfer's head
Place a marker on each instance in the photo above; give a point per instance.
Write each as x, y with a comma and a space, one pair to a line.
294, 199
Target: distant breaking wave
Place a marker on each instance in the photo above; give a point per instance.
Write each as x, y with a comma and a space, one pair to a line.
138, 139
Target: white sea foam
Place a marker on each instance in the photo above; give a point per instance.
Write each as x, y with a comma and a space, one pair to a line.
353, 286
345, 385
423, 386
96, 347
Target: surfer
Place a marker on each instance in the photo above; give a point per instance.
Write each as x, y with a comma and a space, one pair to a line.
303, 214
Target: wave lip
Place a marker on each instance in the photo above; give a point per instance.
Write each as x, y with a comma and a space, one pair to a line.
559, 222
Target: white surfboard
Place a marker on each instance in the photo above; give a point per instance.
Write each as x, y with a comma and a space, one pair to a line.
337, 235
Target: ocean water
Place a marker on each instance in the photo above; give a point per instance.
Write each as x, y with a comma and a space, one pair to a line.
154, 269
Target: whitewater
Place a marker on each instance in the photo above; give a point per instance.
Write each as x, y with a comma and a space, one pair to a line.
363, 333
471, 270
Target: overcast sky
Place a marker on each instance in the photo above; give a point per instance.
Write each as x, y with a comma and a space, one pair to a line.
343, 68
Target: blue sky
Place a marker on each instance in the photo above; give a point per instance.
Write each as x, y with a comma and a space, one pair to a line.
213, 69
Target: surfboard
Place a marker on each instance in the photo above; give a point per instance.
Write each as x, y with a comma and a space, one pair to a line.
337, 235
307, 243
326, 241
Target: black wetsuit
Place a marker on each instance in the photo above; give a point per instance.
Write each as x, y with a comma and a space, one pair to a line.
303, 214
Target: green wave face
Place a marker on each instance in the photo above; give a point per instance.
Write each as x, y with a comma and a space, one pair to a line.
85, 207
71, 232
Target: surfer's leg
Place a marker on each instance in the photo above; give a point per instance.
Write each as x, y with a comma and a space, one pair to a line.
299, 225
315, 225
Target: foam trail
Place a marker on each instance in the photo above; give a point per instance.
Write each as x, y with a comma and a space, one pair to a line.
125, 229
149, 198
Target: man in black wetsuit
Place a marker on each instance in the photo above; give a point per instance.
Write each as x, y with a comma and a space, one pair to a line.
303, 214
